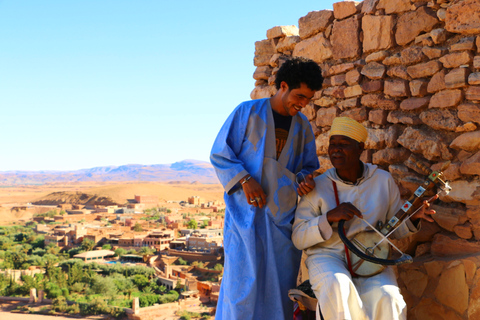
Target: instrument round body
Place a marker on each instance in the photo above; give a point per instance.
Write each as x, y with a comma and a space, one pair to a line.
365, 240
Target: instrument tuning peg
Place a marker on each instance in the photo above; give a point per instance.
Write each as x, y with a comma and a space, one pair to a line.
420, 165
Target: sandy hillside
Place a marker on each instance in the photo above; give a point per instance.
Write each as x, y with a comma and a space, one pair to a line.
119, 192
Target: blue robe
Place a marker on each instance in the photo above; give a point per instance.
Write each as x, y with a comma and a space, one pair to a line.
261, 263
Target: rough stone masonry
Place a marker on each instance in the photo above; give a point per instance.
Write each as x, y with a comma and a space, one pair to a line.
409, 70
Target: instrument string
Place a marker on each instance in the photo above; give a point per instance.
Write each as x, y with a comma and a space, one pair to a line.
385, 237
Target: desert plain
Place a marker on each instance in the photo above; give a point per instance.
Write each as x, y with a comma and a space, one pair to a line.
12, 197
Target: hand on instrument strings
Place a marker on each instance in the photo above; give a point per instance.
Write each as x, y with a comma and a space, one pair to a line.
425, 212
254, 193
344, 211
306, 186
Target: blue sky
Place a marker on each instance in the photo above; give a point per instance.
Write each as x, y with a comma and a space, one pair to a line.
112, 82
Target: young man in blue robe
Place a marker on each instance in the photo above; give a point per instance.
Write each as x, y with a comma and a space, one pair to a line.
264, 156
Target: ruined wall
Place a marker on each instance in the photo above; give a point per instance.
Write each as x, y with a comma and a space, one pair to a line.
409, 70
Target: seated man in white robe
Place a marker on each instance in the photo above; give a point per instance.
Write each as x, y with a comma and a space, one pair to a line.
363, 191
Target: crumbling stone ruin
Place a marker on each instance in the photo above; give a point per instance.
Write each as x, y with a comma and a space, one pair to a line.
409, 70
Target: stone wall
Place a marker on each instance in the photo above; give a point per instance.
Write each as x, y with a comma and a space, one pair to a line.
409, 70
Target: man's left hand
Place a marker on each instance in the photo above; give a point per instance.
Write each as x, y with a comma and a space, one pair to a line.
306, 186
425, 212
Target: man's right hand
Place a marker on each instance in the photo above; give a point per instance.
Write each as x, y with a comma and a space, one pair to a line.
254, 193
344, 211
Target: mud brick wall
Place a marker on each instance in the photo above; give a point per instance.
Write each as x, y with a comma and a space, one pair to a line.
409, 70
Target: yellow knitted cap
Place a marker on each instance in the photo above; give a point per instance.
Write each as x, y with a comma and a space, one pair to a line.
348, 127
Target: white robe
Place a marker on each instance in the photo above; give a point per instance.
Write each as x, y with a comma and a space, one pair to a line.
340, 297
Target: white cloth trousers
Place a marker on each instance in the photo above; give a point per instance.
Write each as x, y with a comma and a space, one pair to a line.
364, 298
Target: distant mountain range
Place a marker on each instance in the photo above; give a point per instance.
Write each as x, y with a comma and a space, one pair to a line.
186, 170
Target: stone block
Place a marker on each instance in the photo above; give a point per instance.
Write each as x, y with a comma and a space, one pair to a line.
337, 92
345, 38
469, 141
374, 100
473, 93
418, 87
374, 70
412, 55
424, 70
471, 166
463, 231
396, 88
398, 72
378, 117
314, 22
349, 103
377, 32
353, 77
264, 47
358, 114
369, 6
469, 112
424, 39
261, 60
457, 78
370, 86
476, 61
353, 91
433, 53
388, 156
414, 104
415, 281
411, 24
441, 119
325, 116
446, 99
287, 43
427, 143
376, 56
322, 142
317, 48
397, 116
309, 111
437, 82
456, 59
338, 80
394, 6
462, 17
344, 9
340, 68
465, 44
262, 72
463, 191
326, 101
392, 60
381, 138
474, 78
282, 31
438, 35
430, 309
452, 289
262, 92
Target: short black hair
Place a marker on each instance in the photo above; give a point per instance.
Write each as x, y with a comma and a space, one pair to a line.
299, 70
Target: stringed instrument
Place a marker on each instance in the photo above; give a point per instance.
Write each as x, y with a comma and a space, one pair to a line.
370, 251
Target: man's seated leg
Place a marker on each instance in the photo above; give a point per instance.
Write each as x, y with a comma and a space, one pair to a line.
334, 288
381, 296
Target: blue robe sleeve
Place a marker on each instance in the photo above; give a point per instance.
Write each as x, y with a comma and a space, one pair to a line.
226, 148
310, 159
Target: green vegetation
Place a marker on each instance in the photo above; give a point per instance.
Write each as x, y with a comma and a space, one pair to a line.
95, 288
192, 224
